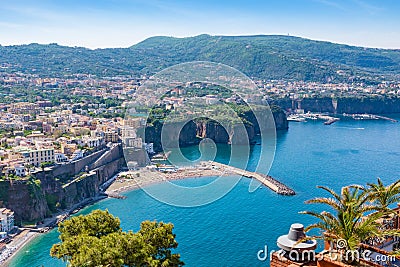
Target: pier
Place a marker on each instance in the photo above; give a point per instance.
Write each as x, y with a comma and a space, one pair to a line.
331, 121
385, 118
369, 117
266, 180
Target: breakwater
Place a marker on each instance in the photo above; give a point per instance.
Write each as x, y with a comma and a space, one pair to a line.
385, 118
266, 180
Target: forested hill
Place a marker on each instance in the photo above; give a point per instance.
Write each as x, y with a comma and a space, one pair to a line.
264, 56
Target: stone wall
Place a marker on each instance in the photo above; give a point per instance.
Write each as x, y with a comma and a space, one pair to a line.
65, 185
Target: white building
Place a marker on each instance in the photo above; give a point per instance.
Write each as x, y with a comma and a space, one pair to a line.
129, 132
91, 141
60, 157
133, 142
78, 154
134, 122
36, 156
212, 99
20, 170
6, 220
149, 147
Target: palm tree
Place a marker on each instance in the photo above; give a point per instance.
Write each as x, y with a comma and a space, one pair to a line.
384, 196
354, 220
347, 221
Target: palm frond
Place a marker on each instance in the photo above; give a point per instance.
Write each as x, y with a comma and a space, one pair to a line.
324, 200
330, 191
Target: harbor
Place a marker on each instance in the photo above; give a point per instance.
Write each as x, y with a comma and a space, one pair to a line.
328, 119
304, 117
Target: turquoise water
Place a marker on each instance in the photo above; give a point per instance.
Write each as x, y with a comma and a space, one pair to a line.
230, 231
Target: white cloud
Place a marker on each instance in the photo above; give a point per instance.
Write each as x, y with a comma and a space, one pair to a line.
332, 4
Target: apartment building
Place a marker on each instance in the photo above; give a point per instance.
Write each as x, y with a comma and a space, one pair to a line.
6, 220
111, 136
91, 141
36, 156
134, 122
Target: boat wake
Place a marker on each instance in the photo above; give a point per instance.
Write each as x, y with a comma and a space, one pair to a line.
350, 128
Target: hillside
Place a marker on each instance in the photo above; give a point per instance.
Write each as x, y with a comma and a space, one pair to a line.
264, 56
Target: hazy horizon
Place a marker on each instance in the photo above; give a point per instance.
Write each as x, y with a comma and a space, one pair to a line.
122, 23
218, 35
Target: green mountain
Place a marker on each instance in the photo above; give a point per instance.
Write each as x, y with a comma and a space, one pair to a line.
262, 56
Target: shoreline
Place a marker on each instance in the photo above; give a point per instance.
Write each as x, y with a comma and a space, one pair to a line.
31, 233
13, 250
146, 177
122, 182
117, 185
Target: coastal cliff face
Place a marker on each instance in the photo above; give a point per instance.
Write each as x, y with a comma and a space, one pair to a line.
193, 132
368, 105
187, 136
25, 198
213, 130
59, 187
352, 105
235, 134
279, 116
317, 104
280, 119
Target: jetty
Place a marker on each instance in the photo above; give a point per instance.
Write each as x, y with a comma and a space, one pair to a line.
369, 117
385, 118
266, 180
331, 121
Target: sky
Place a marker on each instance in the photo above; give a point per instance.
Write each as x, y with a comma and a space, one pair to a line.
122, 23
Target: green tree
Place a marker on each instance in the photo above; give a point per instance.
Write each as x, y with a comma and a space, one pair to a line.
97, 239
160, 241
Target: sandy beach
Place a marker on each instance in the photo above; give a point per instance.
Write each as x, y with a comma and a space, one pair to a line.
17, 243
124, 181
127, 181
131, 180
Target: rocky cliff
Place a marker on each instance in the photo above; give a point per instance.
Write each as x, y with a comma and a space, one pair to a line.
25, 198
371, 105
61, 186
280, 119
194, 131
187, 134
234, 134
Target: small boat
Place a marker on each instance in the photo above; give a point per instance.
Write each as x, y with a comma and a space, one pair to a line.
75, 211
295, 118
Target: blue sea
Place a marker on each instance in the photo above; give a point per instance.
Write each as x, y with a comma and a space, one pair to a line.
230, 231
